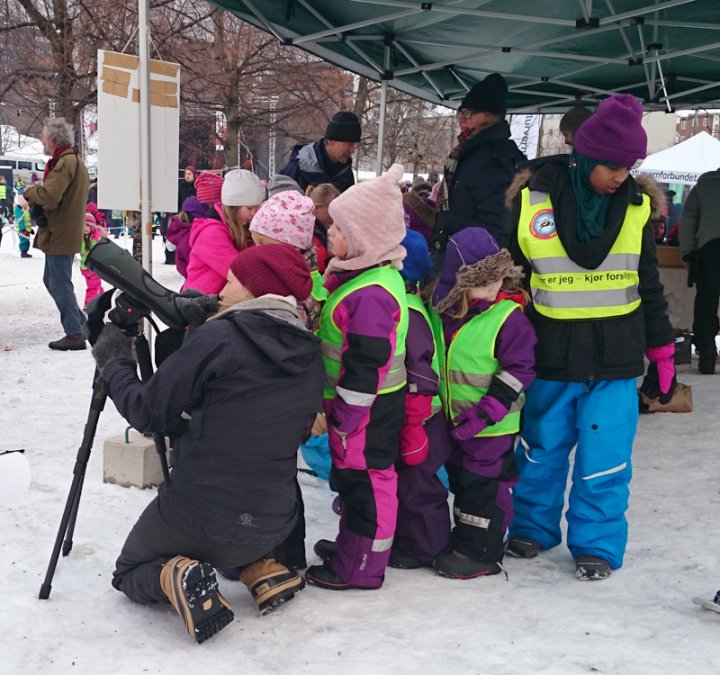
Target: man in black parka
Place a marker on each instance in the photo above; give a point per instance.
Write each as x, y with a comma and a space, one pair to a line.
480, 167
249, 383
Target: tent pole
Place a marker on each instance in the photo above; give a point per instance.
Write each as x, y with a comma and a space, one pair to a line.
145, 210
383, 110
144, 73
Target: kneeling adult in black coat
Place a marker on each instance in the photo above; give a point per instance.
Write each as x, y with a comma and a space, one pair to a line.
249, 382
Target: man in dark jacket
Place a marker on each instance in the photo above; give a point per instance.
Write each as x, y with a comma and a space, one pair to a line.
328, 160
249, 383
63, 197
480, 167
699, 235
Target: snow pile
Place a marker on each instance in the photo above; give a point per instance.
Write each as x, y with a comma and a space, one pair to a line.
641, 620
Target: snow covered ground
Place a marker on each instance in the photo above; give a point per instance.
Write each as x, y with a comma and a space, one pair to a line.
541, 620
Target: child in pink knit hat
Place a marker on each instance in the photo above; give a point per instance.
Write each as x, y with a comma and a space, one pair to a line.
363, 327
288, 217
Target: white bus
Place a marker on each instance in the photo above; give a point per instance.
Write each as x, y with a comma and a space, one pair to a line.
23, 167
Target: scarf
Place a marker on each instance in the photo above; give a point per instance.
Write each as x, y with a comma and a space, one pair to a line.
55, 156
450, 168
591, 207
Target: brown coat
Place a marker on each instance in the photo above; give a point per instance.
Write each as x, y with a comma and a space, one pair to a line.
63, 196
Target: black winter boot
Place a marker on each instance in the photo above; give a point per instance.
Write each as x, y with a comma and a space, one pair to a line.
324, 549
522, 547
592, 568
455, 565
706, 359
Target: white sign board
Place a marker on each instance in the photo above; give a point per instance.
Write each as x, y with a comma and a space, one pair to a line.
119, 132
525, 131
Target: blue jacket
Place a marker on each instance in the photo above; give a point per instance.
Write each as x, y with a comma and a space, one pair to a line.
310, 165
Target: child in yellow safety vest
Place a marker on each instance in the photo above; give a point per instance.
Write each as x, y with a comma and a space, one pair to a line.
362, 331
487, 358
583, 231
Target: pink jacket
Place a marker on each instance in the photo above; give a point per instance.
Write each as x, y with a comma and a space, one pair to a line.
211, 251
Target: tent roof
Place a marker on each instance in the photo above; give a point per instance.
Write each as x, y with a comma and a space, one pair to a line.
684, 162
552, 53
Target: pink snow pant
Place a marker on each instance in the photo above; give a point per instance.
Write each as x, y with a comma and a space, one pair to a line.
93, 286
364, 475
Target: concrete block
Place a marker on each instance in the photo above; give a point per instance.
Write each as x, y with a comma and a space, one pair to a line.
134, 462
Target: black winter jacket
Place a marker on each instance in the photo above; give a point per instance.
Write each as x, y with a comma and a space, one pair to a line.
251, 380
600, 349
310, 165
485, 169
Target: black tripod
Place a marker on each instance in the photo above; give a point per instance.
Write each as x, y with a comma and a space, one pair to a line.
63, 540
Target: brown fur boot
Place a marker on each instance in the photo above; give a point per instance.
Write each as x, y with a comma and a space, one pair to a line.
271, 583
192, 589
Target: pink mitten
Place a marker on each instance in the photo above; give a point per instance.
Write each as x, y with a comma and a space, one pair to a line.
662, 357
414, 444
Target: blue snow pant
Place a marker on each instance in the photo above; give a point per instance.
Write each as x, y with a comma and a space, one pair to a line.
600, 418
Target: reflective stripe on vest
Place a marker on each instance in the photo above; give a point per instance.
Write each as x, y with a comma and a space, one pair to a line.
332, 338
416, 304
471, 365
560, 288
319, 292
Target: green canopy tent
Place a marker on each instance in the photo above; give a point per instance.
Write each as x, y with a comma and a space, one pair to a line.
553, 54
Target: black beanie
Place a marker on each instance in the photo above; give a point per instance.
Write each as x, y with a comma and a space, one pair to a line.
490, 95
344, 126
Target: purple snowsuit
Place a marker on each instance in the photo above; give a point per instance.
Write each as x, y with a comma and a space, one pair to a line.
363, 464
482, 470
423, 524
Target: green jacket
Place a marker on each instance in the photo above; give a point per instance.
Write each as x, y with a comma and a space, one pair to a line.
63, 196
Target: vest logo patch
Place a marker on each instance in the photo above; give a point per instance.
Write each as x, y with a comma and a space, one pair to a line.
542, 225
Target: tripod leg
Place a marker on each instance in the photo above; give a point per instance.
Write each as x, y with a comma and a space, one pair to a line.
73, 500
142, 349
68, 543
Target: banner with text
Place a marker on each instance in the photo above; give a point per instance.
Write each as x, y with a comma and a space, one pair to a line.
525, 131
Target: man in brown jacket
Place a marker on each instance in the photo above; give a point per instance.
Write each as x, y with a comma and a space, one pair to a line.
63, 198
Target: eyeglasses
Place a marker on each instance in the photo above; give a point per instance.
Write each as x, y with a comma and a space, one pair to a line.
466, 113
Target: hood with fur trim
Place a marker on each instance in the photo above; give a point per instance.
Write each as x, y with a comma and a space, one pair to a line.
538, 174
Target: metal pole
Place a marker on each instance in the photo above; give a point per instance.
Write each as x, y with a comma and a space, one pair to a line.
144, 72
145, 164
383, 110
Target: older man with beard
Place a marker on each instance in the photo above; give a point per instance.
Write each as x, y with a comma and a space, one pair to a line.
62, 197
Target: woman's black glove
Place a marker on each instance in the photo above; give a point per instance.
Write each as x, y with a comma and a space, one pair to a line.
111, 344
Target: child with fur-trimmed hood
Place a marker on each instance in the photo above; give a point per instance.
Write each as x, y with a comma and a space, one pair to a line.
583, 232
487, 357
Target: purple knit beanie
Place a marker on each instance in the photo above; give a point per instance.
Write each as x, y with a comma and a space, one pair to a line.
464, 248
614, 134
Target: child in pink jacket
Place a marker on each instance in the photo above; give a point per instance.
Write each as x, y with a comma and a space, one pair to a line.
214, 242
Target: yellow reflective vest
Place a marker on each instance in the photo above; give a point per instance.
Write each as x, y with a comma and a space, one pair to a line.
468, 366
562, 289
332, 337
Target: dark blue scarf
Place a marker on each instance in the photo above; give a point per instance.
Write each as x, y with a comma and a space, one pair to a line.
591, 207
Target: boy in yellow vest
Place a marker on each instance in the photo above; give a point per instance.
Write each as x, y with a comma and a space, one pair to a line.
584, 233
487, 359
